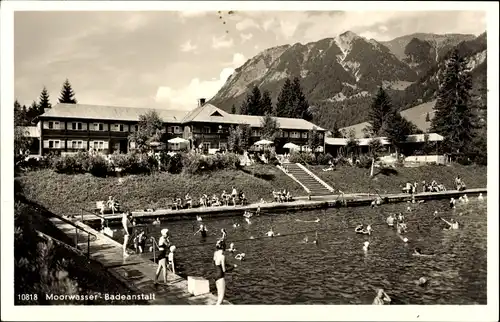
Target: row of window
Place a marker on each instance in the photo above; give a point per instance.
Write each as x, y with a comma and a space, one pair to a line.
76, 144
171, 129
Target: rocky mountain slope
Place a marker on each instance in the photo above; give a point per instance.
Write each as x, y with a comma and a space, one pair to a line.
339, 74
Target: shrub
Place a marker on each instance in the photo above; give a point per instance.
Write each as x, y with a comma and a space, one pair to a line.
196, 163
301, 157
175, 164
98, 166
364, 161
68, 164
134, 163
323, 158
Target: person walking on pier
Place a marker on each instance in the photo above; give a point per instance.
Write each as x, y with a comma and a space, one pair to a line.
162, 256
127, 228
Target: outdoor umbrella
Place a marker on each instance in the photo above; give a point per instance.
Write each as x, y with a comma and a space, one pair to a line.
263, 142
178, 140
291, 146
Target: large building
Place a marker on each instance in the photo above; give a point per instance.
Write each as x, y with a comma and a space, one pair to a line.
76, 127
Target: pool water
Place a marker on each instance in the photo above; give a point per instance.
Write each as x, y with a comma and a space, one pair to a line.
285, 270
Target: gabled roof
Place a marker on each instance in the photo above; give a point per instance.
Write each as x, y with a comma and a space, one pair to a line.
211, 113
103, 112
433, 137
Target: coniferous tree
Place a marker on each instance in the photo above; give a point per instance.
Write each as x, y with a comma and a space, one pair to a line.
300, 104
427, 117
44, 103
285, 98
244, 106
254, 102
32, 112
454, 118
67, 94
17, 114
380, 109
233, 109
267, 104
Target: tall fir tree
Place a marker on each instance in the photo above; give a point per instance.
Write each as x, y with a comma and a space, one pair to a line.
67, 94
233, 109
267, 104
454, 118
254, 102
285, 98
18, 119
300, 104
32, 112
44, 103
427, 117
380, 110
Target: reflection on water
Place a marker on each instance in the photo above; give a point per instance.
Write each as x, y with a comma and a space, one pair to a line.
286, 270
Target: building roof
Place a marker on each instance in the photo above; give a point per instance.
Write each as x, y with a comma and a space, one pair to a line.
104, 112
433, 137
211, 113
205, 113
416, 115
30, 131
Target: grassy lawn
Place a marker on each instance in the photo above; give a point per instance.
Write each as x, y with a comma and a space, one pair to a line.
38, 263
352, 179
67, 194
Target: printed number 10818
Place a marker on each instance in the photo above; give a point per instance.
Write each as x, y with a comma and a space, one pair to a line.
27, 297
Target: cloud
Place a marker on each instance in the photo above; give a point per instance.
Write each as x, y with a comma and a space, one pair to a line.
186, 98
382, 28
246, 24
192, 13
266, 25
221, 42
288, 28
188, 47
238, 60
246, 37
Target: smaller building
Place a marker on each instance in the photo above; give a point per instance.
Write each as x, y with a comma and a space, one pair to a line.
32, 132
414, 142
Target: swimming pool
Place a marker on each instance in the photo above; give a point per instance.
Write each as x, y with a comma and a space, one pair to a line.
285, 270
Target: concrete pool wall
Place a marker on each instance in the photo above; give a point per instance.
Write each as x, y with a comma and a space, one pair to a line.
302, 203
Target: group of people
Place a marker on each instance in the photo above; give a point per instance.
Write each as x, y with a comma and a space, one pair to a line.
432, 187
234, 198
282, 196
459, 184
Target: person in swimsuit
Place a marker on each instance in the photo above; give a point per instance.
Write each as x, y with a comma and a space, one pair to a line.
381, 298
224, 234
390, 220
418, 252
270, 233
127, 231
162, 256
202, 231
171, 262
359, 228
231, 249
453, 224
240, 256
220, 270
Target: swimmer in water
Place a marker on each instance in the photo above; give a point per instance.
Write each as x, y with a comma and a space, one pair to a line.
247, 214
401, 227
381, 298
466, 199
198, 218
418, 252
240, 257
435, 213
401, 217
365, 246
231, 249
235, 225
452, 202
368, 230
453, 224
359, 228
408, 209
480, 197
317, 220
305, 240
390, 220
316, 240
156, 221
258, 211
202, 231
224, 234
421, 281
248, 221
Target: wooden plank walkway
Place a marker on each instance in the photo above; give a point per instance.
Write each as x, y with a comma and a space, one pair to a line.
300, 203
136, 272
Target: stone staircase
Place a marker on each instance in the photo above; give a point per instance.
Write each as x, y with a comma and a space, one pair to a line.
315, 185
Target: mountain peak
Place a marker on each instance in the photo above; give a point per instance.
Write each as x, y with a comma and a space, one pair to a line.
349, 35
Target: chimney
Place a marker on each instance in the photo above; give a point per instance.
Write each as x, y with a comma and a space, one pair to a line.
201, 102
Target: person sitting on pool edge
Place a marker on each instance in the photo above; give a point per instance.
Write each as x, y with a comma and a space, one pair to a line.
381, 298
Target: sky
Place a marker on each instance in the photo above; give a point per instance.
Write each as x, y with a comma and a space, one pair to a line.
169, 59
